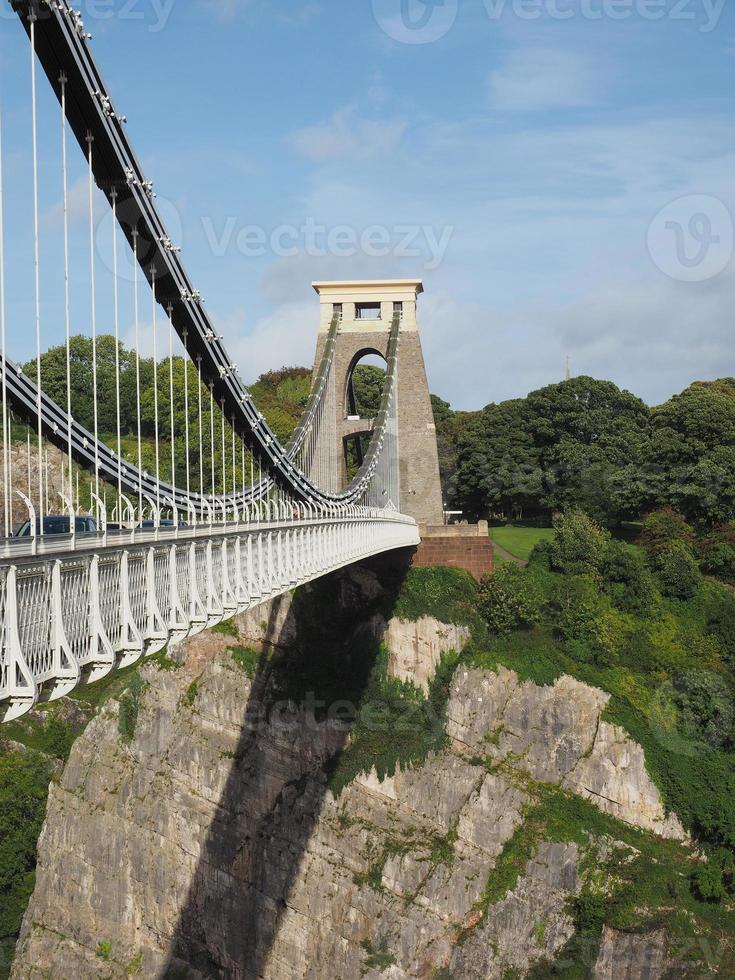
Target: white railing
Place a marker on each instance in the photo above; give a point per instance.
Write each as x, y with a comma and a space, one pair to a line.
75, 618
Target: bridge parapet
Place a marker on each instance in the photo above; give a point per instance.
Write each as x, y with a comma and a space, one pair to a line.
77, 618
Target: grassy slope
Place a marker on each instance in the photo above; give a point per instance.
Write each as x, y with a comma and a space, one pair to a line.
520, 541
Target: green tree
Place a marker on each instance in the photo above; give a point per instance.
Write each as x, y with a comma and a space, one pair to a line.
706, 708
692, 452
720, 623
662, 528
587, 431
716, 552
368, 382
579, 543
627, 579
498, 466
571, 444
53, 381
677, 571
584, 620
707, 883
447, 425
282, 396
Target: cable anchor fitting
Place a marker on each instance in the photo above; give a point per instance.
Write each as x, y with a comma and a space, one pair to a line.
107, 108
79, 24
168, 245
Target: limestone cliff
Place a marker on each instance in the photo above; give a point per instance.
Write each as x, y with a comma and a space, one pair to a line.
211, 845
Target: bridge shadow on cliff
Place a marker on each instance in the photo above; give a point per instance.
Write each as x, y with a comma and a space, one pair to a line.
293, 734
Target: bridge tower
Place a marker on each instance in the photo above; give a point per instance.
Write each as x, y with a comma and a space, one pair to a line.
366, 310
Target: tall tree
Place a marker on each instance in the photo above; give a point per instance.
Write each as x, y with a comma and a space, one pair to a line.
691, 465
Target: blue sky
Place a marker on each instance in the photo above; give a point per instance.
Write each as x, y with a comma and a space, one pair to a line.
561, 174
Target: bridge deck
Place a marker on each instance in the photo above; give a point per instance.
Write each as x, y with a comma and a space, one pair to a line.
71, 617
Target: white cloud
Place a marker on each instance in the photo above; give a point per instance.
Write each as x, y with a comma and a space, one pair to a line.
652, 337
548, 255
536, 78
284, 338
347, 134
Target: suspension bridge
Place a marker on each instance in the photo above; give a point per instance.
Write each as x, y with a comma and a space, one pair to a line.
144, 538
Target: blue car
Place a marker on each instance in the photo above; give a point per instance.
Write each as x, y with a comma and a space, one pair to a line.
58, 524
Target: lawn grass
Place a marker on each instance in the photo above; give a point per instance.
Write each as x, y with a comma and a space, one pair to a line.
520, 541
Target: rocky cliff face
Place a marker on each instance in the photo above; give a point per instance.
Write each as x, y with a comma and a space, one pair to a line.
210, 845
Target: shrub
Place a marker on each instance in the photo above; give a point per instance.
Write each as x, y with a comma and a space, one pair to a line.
627, 579
448, 594
576, 604
720, 562
716, 553
395, 724
541, 556
56, 737
657, 645
509, 598
678, 571
378, 956
578, 545
706, 707
721, 624
707, 883
129, 707
662, 528
104, 949
246, 659
227, 627
588, 910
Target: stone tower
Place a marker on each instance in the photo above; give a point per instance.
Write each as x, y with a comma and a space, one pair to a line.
366, 310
